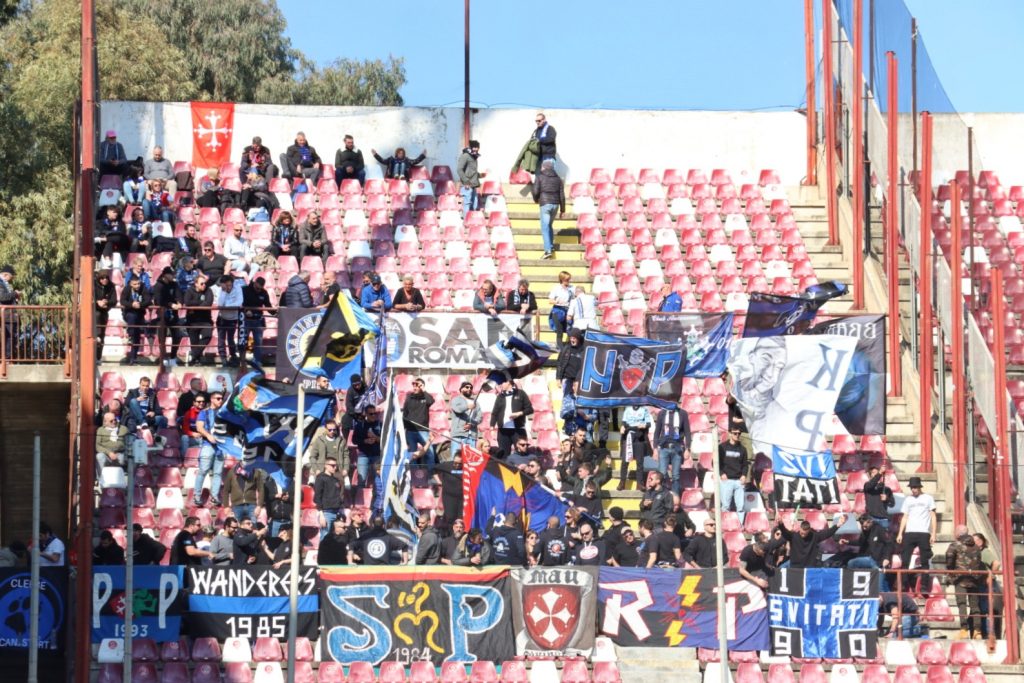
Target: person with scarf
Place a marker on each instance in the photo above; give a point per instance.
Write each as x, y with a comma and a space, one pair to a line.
140, 232
284, 238
301, 161
673, 438
635, 445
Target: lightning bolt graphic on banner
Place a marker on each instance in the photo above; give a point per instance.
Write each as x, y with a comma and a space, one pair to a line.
688, 598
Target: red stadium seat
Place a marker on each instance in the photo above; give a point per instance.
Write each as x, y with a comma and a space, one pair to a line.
361, 672
514, 671
875, 673
391, 672
907, 674
144, 672
939, 673
174, 651
780, 673
972, 674
453, 672
575, 671
606, 672
175, 672
234, 672
206, 650
962, 653
483, 671
812, 673
332, 672
749, 672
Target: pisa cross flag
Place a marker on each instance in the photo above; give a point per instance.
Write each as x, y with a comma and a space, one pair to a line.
212, 124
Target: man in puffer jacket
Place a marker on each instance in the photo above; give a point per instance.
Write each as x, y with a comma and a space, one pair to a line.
469, 177
549, 192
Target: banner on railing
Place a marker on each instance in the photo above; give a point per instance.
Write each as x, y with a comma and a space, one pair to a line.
15, 604
408, 614
457, 341
831, 613
553, 611
678, 608
249, 602
705, 335
158, 602
804, 478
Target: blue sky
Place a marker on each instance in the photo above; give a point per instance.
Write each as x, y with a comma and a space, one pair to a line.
651, 54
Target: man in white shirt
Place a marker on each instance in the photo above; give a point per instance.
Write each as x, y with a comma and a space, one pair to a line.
229, 305
917, 530
51, 548
583, 311
238, 250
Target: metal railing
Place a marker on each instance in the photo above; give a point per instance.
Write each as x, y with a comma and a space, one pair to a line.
985, 587
34, 335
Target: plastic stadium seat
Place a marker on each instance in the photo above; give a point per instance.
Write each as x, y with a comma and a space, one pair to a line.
331, 672
962, 653
780, 673
606, 672
972, 674
391, 672
812, 673
907, 674
843, 673
206, 650
931, 652
174, 651
144, 672
575, 671
514, 671
268, 672
483, 671
235, 672
875, 673
175, 672
939, 673
749, 672
453, 672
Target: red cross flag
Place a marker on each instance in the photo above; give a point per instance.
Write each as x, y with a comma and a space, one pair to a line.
211, 133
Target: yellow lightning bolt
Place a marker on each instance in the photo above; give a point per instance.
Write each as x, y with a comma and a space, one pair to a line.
689, 597
512, 479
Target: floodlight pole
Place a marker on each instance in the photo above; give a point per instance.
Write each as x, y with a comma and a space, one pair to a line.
926, 345
812, 118
958, 330
465, 107
129, 566
829, 124
857, 110
293, 582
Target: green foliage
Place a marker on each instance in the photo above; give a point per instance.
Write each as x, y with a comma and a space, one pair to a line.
344, 82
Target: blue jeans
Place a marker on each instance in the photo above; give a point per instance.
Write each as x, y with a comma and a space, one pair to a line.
414, 438
255, 328
882, 522
134, 196
459, 441
470, 199
329, 517
211, 459
243, 511
276, 524
732, 490
670, 461
364, 464
154, 211
547, 217
188, 442
866, 562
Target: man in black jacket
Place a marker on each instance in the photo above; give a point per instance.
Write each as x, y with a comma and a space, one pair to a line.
657, 502
105, 297
199, 318
301, 160
549, 193
416, 422
348, 162
334, 546
328, 494
545, 135
672, 437
145, 548
255, 305
878, 498
700, 551
570, 360
874, 549
450, 476
168, 298
507, 541
805, 545
509, 414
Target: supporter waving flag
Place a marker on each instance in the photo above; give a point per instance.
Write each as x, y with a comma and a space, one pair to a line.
515, 356
336, 345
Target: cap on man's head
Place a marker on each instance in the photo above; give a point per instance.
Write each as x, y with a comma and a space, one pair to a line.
285, 527
111, 133
7, 269
865, 517
375, 279
466, 384
915, 483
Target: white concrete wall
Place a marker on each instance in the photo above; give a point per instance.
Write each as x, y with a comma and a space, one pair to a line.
737, 141
998, 143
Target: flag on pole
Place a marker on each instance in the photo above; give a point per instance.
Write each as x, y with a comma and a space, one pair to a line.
515, 356
489, 484
769, 315
336, 346
394, 461
378, 387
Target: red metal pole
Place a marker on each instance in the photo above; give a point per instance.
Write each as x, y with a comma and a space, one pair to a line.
958, 368
465, 108
1001, 474
829, 124
892, 270
812, 112
85, 353
857, 109
926, 370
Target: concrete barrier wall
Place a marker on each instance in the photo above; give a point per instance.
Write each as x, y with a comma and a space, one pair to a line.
736, 141
998, 144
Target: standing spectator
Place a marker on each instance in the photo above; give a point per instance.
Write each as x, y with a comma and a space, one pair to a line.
108, 552
112, 157
673, 438
663, 547
732, 459
450, 545
356, 391
408, 298
283, 551
375, 296
399, 166
591, 551
582, 313
586, 474
135, 301
805, 545
211, 456
508, 542
256, 157
964, 555
333, 548
449, 475
636, 443
570, 361
112, 236
328, 494
142, 404
625, 553
329, 288
255, 304
554, 546
545, 135
917, 530
222, 547
297, 294
313, 238
237, 249
874, 549
465, 418
700, 552
522, 301
473, 550
246, 542
488, 299
377, 546
199, 319
348, 162
229, 303
416, 421
168, 298
878, 498
146, 549
367, 439
511, 408
300, 160
212, 265
186, 274
244, 490
549, 193
560, 298
184, 550
328, 444
657, 502
990, 563
279, 507
51, 548
428, 542
158, 167
189, 396
469, 177
671, 302
613, 534
284, 237
105, 297
110, 443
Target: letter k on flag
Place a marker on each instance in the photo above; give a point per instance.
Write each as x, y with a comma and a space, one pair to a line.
212, 123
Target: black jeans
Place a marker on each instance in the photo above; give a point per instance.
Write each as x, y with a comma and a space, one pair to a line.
922, 541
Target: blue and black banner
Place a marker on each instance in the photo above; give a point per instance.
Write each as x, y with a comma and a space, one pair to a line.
621, 370
158, 599
15, 602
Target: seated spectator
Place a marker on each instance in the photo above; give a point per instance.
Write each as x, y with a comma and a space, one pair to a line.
145, 548
284, 237
375, 296
398, 166
329, 287
238, 250
473, 550
257, 158
134, 187
188, 244
488, 300
111, 236
671, 302
112, 157
211, 193
874, 549
212, 264
108, 552
313, 239
300, 160
110, 443
190, 438
141, 401
348, 162
256, 194
138, 272
158, 204
297, 293
140, 231
408, 298
158, 167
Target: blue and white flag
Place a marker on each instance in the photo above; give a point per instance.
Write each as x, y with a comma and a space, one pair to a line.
394, 466
515, 356
378, 388
769, 315
706, 336
622, 370
803, 479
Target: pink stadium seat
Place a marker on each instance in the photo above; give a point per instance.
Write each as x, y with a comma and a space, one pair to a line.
939, 673
780, 673
453, 672
812, 673
749, 672
514, 671
972, 674
875, 673
236, 672
391, 672
743, 656
175, 672
331, 672
930, 652
206, 650
144, 672
483, 671
361, 672
907, 674
174, 651
606, 672
962, 653
575, 671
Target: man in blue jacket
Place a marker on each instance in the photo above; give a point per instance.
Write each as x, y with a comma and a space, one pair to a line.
375, 296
